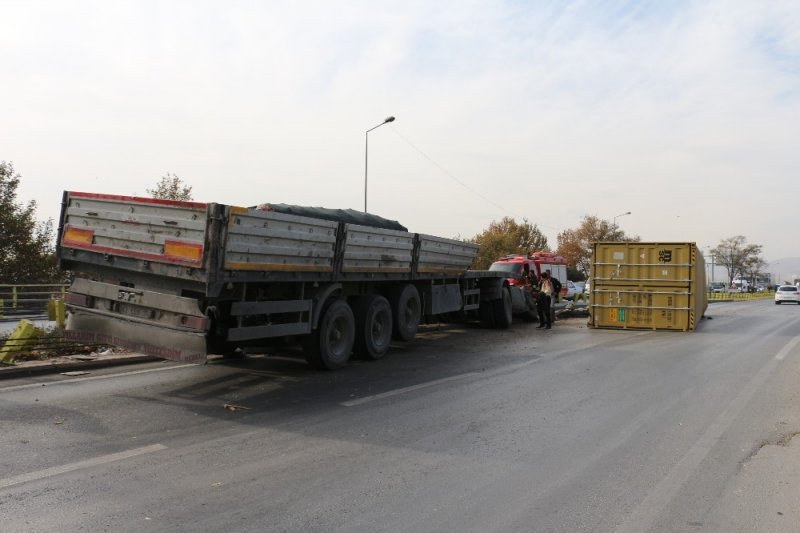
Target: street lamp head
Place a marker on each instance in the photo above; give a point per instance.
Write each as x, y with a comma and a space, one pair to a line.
620, 215
366, 155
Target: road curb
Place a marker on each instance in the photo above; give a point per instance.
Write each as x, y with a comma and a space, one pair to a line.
30, 368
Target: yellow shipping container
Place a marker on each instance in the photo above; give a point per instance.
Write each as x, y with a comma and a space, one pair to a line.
636, 285
640, 263
628, 307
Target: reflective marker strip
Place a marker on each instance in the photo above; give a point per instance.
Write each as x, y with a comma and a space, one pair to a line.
73, 235
183, 250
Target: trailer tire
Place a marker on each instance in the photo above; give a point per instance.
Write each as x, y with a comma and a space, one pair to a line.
406, 308
503, 313
329, 346
373, 317
486, 313
225, 349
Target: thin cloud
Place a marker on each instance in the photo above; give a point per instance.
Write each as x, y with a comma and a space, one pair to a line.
544, 110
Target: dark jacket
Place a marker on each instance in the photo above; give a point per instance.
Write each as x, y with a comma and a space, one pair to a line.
556, 287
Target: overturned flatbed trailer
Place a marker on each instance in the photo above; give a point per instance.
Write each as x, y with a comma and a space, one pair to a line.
180, 280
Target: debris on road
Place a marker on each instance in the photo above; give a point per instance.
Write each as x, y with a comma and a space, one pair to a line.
90, 357
75, 373
234, 407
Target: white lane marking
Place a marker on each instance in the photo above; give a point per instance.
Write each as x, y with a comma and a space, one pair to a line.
404, 390
645, 514
71, 467
497, 371
786, 349
92, 378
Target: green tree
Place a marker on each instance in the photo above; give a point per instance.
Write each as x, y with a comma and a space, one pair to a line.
507, 237
171, 187
737, 257
27, 252
575, 244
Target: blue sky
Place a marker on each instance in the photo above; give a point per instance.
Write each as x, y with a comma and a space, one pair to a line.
685, 113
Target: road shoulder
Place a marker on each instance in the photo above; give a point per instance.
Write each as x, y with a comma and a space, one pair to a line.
764, 495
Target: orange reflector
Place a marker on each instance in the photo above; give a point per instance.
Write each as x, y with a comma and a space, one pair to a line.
77, 235
183, 250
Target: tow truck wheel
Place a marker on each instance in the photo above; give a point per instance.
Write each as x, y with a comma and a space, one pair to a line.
329, 346
373, 326
530, 315
406, 308
503, 311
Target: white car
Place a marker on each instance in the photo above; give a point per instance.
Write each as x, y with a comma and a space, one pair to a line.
571, 291
787, 293
716, 286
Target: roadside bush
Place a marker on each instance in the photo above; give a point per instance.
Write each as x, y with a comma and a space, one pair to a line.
49, 343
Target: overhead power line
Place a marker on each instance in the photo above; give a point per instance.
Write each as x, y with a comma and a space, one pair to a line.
467, 187
447, 173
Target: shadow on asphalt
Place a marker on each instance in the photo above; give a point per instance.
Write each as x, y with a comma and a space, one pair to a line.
282, 383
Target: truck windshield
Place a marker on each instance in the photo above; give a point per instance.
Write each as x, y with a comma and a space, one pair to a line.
514, 268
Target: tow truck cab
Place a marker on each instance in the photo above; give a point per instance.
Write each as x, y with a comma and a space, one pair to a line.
519, 268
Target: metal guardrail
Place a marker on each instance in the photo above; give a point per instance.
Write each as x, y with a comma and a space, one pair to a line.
29, 301
27, 341
763, 295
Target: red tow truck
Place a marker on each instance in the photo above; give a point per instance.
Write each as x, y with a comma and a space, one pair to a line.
524, 272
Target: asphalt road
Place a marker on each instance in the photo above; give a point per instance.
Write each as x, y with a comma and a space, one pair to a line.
461, 430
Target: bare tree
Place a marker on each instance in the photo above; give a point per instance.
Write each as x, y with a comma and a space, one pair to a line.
171, 187
735, 255
754, 266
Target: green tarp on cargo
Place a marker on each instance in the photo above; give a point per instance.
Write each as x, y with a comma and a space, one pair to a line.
348, 216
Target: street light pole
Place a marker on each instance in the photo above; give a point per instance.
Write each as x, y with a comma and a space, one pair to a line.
620, 215
366, 156
713, 267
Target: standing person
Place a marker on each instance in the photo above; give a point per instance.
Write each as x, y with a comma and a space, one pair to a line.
556, 286
556, 297
543, 300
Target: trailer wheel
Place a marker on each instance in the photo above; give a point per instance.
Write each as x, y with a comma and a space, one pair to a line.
329, 346
373, 326
486, 313
227, 351
502, 311
406, 307
215, 341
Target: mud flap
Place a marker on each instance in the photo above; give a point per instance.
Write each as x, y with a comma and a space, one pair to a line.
185, 346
